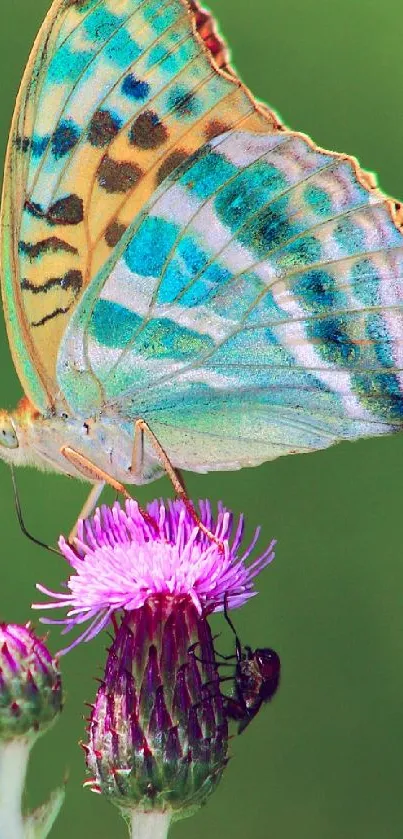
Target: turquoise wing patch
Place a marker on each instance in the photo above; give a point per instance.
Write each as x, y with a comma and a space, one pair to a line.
254, 309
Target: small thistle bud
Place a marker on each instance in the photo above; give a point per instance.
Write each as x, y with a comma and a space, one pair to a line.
30, 683
158, 733
30, 701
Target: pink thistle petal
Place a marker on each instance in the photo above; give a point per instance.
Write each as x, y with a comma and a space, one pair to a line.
120, 561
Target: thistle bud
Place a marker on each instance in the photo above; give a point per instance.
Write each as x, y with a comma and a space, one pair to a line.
30, 683
158, 734
30, 701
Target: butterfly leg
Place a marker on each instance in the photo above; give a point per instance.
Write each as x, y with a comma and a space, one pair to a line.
98, 476
89, 506
141, 429
91, 471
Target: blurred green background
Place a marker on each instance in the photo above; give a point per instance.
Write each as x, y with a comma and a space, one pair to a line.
326, 759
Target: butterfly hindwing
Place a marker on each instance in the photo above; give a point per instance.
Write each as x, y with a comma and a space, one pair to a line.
117, 93
253, 309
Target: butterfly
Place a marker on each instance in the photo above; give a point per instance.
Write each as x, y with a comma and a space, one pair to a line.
186, 282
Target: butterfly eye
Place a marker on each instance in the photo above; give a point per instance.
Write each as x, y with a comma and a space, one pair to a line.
8, 434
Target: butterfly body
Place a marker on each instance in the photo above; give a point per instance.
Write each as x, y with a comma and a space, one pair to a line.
31, 439
171, 253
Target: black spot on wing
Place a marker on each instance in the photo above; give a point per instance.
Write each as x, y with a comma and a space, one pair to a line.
65, 211
51, 315
169, 165
118, 176
65, 138
114, 233
51, 245
22, 144
148, 132
71, 280
103, 128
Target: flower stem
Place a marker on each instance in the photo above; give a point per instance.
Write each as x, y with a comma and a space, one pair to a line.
13, 766
148, 825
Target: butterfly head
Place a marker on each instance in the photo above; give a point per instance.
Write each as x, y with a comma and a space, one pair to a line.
13, 433
8, 436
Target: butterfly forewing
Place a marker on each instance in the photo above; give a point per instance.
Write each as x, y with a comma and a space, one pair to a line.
117, 93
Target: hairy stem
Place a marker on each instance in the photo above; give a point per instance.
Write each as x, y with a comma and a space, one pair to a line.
13, 766
149, 825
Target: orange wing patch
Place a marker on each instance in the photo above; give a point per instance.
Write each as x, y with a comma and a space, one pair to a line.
117, 94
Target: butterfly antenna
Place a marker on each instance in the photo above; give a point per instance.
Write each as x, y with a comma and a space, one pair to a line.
22, 523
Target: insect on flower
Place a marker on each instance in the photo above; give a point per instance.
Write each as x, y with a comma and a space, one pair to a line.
256, 679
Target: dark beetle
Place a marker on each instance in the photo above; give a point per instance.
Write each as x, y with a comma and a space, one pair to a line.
256, 679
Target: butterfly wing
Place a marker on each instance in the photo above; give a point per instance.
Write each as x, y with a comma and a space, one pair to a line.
253, 309
115, 95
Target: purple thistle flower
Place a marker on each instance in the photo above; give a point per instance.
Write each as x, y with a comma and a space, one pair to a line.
120, 561
158, 730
